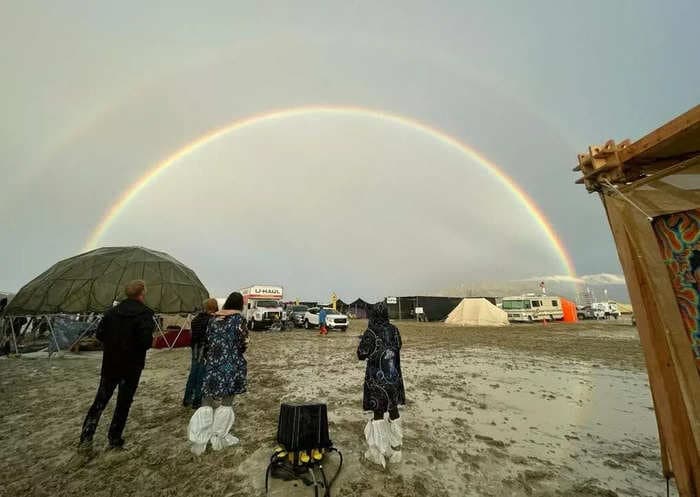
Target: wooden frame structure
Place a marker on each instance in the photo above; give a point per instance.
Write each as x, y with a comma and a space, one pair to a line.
647, 186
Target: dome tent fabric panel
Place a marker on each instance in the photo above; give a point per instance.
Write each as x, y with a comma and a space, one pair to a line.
477, 312
91, 282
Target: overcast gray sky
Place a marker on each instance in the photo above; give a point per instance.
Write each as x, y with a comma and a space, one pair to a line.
95, 94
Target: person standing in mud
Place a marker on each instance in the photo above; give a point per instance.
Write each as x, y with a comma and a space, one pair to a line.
225, 376
193, 389
380, 346
322, 313
126, 332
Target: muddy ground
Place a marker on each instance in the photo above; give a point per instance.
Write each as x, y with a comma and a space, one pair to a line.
520, 411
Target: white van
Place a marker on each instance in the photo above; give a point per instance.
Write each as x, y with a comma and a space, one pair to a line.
530, 307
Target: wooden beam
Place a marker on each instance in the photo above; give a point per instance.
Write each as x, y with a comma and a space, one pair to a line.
659, 136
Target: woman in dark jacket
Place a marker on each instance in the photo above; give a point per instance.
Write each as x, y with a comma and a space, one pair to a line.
383, 388
193, 390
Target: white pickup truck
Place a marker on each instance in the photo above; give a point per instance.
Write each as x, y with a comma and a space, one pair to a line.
607, 309
599, 310
334, 319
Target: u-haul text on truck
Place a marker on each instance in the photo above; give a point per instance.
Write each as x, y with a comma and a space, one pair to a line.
262, 305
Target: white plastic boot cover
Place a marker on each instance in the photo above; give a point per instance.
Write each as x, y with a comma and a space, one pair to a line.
199, 431
396, 439
395, 433
377, 436
223, 421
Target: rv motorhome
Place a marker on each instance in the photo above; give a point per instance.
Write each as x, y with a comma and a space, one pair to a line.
531, 307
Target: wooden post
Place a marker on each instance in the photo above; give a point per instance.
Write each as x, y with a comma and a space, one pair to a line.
676, 435
635, 182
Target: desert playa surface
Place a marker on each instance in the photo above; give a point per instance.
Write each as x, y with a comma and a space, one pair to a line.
519, 411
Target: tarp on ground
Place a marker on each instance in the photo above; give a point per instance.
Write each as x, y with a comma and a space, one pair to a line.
477, 312
92, 281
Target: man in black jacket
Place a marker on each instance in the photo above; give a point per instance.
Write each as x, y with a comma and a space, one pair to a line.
126, 331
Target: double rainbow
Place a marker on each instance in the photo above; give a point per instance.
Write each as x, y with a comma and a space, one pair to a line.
159, 168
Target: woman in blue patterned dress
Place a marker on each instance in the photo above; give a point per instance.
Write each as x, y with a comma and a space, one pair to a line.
225, 371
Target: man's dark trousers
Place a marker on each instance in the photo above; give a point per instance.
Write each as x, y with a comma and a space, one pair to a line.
127, 385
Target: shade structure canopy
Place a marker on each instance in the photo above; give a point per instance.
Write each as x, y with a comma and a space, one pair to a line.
92, 281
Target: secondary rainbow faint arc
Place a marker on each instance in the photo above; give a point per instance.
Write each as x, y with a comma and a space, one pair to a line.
149, 176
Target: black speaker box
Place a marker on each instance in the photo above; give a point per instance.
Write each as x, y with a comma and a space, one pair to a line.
303, 427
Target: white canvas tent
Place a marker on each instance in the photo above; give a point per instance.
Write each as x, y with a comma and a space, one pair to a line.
477, 312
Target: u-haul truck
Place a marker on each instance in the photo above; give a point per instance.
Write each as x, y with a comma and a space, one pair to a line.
262, 305
531, 307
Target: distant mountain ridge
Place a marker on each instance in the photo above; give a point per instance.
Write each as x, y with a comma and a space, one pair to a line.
555, 286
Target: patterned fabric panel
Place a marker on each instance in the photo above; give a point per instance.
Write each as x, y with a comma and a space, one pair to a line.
679, 240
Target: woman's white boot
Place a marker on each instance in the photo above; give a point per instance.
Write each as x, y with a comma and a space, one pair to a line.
377, 436
199, 431
395, 440
223, 422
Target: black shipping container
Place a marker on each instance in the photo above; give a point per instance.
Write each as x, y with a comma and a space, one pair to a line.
435, 308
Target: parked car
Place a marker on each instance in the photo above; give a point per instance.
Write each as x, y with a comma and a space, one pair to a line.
295, 314
334, 319
598, 311
588, 312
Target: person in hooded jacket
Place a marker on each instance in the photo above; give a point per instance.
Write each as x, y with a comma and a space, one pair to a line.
193, 390
380, 346
126, 332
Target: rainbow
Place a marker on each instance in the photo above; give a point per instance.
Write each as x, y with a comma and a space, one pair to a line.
159, 168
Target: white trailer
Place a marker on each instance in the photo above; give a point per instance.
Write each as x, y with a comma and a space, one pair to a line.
530, 307
262, 305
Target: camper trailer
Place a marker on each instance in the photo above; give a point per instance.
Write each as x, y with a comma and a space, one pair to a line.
531, 307
262, 305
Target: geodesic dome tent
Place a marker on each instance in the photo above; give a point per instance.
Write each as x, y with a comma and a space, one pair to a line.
92, 281
89, 283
